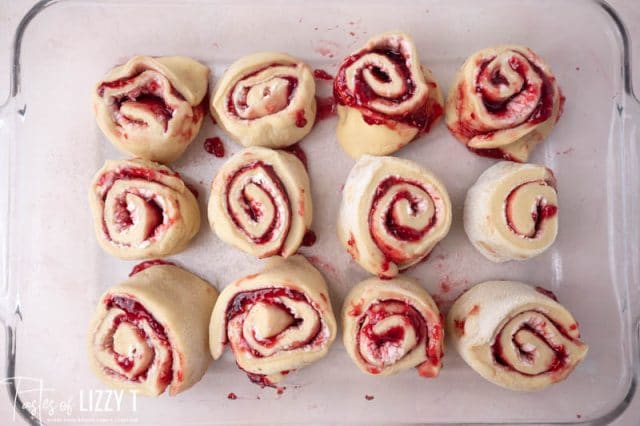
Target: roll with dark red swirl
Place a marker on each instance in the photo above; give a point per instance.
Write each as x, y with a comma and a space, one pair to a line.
393, 213
151, 331
261, 202
385, 97
511, 212
276, 321
515, 336
266, 99
152, 107
393, 325
142, 209
503, 102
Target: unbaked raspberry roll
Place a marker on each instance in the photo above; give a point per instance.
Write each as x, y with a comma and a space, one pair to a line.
393, 213
511, 212
515, 336
385, 97
152, 107
261, 202
151, 331
266, 99
503, 102
142, 209
393, 325
276, 321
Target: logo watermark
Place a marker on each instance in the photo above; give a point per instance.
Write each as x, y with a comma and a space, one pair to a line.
85, 406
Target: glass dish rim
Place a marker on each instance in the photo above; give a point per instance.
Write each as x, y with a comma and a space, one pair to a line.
9, 317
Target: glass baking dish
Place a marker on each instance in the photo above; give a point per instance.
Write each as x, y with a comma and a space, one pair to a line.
53, 270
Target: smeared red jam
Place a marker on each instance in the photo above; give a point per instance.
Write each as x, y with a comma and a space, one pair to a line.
356, 309
156, 105
135, 313
547, 293
322, 75
241, 102
253, 209
459, 326
493, 153
352, 246
297, 150
326, 107
397, 230
369, 397
309, 238
214, 146
301, 121
560, 360
147, 264
422, 117
547, 211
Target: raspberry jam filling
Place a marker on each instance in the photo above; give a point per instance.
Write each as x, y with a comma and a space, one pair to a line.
150, 97
527, 355
395, 229
238, 105
155, 221
148, 264
135, 314
108, 179
125, 218
389, 341
529, 92
421, 117
505, 108
253, 209
546, 292
243, 302
541, 212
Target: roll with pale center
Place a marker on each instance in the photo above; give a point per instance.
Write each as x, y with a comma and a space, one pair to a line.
142, 209
393, 325
275, 321
151, 331
503, 102
152, 107
385, 98
265, 99
511, 212
261, 202
515, 336
393, 213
